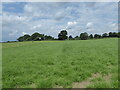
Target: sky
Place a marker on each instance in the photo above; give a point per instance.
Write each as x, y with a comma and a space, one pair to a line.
49, 18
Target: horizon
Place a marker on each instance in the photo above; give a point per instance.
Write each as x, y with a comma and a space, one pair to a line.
20, 18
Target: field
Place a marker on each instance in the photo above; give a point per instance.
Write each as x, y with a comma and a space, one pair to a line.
61, 64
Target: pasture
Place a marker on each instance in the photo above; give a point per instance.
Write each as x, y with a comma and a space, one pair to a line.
61, 64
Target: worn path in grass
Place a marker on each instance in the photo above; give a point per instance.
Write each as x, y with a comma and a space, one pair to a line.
88, 82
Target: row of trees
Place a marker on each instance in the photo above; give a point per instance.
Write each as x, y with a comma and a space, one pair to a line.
35, 37
63, 36
84, 36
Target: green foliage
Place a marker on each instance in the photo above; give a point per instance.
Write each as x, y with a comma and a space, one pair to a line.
97, 36
91, 36
62, 35
20, 39
104, 35
48, 37
84, 36
24, 38
101, 84
58, 63
37, 36
77, 38
114, 34
70, 37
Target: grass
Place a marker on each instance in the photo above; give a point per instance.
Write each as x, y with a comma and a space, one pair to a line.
0, 66
48, 64
104, 83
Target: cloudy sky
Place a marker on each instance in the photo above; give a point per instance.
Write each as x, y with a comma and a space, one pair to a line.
51, 17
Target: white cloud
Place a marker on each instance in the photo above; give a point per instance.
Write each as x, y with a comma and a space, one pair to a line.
89, 24
71, 25
0, 8
13, 33
60, 15
114, 26
50, 18
23, 33
36, 27
28, 8
9, 19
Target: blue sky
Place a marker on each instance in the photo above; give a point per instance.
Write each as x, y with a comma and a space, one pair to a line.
51, 17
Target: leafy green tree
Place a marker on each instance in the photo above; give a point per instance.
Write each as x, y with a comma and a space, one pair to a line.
119, 34
29, 39
96, 36
62, 35
24, 38
104, 35
48, 37
42, 36
91, 36
77, 38
20, 39
113, 34
84, 36
110, 34
70, 37
37, 36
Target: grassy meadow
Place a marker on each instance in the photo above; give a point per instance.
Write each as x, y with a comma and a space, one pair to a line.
61, 64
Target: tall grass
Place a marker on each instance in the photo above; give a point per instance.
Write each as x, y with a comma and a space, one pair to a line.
61, 63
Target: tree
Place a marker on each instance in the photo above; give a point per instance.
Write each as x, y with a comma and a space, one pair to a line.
104, 35
48, 37
24, 38
96, 36
114, 34
91, 36
76, 37
84, 36
42, 36
36, 36
29, 39
110, 34
62, 35
118, 34
20, 39
70, 37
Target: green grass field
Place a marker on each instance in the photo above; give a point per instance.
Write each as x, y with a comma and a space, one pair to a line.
61, 64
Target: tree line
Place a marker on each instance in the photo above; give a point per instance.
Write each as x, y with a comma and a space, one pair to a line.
63, 35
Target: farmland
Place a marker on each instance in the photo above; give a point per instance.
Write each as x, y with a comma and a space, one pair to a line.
61, 64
